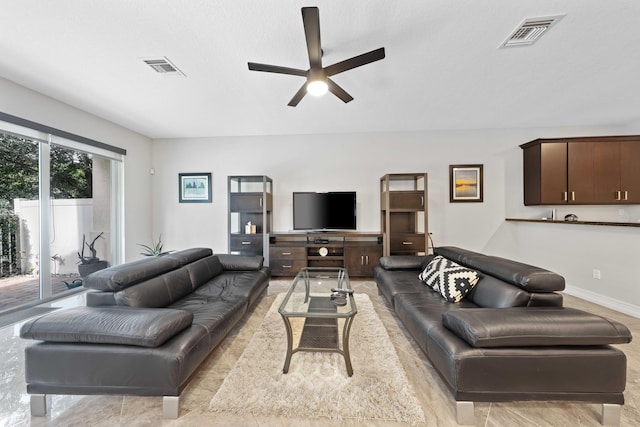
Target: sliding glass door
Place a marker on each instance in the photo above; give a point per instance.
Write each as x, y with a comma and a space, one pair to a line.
19, 220
60, 215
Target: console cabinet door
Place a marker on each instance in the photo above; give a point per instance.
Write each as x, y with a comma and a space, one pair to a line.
580, 176
617, 172
360, 260
630, 171
406, 200
545, 174
246, 202
554, 173
607, 172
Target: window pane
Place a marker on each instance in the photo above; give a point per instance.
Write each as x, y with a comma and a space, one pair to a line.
19, 224
80, 216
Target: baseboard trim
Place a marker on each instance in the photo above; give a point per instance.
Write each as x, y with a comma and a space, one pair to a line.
605, 301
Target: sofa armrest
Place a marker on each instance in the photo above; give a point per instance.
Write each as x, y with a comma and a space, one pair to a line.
525, 327
240, 262
404, 262
144, 327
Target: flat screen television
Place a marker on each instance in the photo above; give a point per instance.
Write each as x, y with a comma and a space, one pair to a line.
334, 210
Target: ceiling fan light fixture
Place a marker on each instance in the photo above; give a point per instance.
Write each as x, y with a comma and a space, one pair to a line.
317, 87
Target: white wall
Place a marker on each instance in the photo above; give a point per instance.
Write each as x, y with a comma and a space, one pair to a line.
27, 104
70, 219
357, 161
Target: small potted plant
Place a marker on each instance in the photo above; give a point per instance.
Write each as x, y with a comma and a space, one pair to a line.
155, 249
90, 264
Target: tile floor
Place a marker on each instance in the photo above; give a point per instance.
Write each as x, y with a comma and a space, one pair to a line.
431, 392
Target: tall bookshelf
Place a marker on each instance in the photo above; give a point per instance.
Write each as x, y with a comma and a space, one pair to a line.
250, 199
404, 213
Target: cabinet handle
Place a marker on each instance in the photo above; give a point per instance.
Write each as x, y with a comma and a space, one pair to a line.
286, 253
260, 201
564, 196
626, 195
367, 258
246, 243
573, 196
618, 195
286, 266
361, 259
421, 200
407, 243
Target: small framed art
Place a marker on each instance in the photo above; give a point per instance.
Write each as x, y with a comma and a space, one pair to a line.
465, 183
194, 187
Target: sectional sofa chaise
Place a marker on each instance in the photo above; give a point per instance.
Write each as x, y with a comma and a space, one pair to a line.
509, 338
146, 328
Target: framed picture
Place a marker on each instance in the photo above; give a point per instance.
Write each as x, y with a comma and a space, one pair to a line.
194, 187
465, 183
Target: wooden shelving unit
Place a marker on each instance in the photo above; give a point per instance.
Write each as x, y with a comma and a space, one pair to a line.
250, 200
404, 213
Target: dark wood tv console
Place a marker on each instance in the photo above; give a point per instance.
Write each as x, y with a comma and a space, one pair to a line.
357, 252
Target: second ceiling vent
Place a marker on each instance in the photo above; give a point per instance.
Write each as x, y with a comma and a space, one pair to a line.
163, 66
530, 30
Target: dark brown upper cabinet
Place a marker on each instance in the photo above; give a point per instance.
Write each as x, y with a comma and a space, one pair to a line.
588, 170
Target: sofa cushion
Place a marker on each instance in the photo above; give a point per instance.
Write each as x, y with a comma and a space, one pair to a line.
124, 275
187, 256
528, 277
240, 262
404, 262
544, 326
450, 279
142, 327
160, 291
203, 270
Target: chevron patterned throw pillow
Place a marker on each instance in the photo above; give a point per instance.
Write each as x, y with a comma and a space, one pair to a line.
451, 280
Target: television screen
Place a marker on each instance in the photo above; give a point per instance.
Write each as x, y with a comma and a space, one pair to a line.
324, 211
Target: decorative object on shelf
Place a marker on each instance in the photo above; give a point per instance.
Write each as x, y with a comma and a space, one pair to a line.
194, 187
323, 251
571, 217
465, 183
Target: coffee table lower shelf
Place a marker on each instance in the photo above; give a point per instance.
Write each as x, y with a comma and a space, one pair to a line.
320, 334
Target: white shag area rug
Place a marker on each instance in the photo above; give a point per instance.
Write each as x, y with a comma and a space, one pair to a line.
317, 385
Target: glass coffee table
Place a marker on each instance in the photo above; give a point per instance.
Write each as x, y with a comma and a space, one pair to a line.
318, 301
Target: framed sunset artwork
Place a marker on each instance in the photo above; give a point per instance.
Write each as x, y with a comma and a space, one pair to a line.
465, 183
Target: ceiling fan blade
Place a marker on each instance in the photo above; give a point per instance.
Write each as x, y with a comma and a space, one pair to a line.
298, 96
338, 91
276, 69
356, 61
311, 21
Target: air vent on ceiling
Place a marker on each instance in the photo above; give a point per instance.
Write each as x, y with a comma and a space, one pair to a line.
163, 66
530, 30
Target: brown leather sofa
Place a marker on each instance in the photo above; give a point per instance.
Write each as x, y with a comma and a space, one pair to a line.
146, 328
509, 339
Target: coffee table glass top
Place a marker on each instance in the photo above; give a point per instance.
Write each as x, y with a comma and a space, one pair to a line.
310, 294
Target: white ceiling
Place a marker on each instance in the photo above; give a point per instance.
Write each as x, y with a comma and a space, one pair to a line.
443, 68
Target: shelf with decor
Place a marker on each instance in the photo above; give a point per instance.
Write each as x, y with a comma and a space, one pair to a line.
250, 216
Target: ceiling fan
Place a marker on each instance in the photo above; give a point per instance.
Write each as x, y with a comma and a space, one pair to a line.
318, 81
